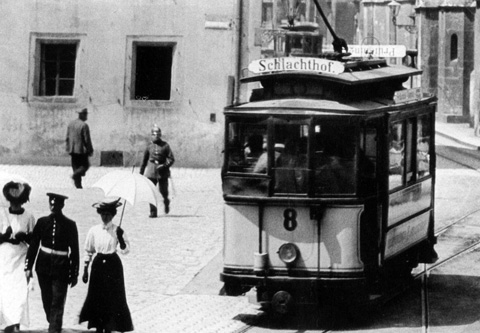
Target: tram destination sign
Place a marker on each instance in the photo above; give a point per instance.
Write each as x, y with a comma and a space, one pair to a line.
297, 64
378, 51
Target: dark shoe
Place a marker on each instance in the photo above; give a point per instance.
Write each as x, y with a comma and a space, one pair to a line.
153, 211
167, 206
10, 329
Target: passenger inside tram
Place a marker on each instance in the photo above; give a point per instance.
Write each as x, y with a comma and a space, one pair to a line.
290, 166
253, 149
335, 161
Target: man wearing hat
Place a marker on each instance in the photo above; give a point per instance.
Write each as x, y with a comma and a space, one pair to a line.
55, 239
157, 160
79, 146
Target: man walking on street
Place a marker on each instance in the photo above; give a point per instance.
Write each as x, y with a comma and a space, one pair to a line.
157, 160
55, 239
79, 146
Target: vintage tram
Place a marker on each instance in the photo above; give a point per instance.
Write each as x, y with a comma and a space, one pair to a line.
328, 180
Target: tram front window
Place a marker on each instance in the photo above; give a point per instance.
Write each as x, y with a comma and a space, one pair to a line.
335, 157
246, 143
290, 158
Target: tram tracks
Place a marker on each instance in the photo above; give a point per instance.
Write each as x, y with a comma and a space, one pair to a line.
427, 269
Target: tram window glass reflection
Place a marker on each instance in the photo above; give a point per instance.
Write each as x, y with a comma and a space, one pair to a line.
335, 156
368, 160
423, 146
409, 153
290, 158
396, 154
246, 144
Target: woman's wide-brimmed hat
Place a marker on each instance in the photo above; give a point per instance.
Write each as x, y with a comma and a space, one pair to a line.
107, 205
17, 192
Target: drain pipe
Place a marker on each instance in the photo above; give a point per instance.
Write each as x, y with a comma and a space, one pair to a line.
240, 29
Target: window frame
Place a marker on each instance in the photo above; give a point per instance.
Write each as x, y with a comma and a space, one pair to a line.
411, 157
132, 42
36, 42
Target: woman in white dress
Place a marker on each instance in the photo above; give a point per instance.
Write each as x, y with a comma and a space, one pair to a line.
16, 226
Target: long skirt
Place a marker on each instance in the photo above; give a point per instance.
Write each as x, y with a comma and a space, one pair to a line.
13, 285
106, 303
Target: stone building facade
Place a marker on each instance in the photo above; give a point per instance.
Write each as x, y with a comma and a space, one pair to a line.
176, 64
447, 51
132, 63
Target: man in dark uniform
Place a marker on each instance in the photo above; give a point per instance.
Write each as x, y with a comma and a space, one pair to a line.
79, 146
157, 160
55, 239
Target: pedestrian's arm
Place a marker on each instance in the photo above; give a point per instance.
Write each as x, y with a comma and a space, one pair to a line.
32, 250
67, 141
169, 159
146, 156
89, 251
123, 241
74, 256
87, 140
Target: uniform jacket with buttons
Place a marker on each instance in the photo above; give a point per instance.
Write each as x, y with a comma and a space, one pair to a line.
157, 160
59, 233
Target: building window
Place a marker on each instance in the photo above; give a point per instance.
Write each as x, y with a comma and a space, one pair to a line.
453, 47
267, 12
56, 69
152, 71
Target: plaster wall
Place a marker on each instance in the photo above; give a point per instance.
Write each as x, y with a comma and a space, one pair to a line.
475, 87
32, 130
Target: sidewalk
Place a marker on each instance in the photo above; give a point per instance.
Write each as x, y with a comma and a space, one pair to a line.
462, 134
167, 252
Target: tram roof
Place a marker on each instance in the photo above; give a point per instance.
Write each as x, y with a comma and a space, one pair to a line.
314, 106
355, 73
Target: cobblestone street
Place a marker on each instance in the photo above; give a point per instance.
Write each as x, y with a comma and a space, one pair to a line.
166, 252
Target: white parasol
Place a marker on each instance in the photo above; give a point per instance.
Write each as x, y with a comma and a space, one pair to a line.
132, 187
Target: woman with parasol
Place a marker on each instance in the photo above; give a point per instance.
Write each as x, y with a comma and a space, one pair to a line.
105, 307
16, 226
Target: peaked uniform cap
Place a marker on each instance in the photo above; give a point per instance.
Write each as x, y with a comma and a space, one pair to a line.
54, 197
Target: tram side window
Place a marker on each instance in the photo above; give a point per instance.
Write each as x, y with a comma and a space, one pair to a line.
246, 144
368, 160
396, 154
409, 153
423, 146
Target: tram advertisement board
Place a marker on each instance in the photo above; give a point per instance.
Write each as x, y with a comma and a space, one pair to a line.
406, 234
302, 64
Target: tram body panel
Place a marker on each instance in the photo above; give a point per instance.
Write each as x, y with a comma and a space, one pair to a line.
337, 251
241, 227
408, 201
406, 234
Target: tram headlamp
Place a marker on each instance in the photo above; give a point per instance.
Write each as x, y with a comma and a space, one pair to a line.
288, 253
